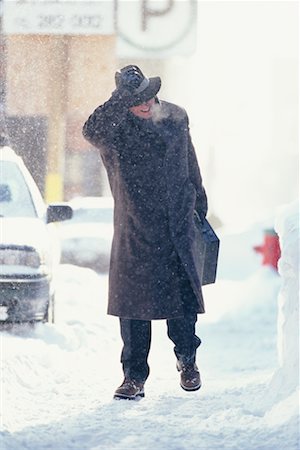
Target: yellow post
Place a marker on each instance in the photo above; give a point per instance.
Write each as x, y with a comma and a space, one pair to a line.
57, 100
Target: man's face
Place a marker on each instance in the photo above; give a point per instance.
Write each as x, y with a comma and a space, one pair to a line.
144, 110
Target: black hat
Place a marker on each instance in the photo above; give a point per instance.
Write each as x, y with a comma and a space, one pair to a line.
133, 80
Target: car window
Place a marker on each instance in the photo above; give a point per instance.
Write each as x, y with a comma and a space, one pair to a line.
15, 198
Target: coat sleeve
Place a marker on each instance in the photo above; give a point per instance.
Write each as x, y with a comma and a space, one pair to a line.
196, 179
102, 125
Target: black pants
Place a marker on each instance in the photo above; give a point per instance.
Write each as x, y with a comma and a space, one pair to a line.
136, 336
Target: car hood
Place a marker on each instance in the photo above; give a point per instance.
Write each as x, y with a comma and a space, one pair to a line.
25, 232
86, 230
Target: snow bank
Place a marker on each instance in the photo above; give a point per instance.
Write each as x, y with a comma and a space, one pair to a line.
285, 382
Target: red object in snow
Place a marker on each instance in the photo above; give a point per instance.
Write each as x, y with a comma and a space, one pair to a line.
270, 249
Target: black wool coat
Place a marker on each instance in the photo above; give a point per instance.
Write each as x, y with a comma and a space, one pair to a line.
157, 187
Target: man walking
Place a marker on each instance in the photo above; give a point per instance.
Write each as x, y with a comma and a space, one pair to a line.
156, 266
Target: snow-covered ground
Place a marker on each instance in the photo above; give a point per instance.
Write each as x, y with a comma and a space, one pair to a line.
58, 380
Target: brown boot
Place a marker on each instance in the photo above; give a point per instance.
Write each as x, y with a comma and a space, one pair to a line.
189, 376
130, 390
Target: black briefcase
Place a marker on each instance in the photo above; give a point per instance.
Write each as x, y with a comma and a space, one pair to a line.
210, 250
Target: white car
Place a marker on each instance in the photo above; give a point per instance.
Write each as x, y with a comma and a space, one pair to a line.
86, 239
29, 244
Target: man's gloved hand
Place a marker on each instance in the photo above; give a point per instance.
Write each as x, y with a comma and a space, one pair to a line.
129, 78
127, 81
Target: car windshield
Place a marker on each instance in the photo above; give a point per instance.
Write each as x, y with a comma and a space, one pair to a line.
103, 215
15, 198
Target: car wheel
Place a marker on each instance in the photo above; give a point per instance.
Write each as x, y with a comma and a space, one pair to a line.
52, 309
49, 314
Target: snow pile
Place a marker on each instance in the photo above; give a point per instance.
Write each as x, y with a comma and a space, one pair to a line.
58, 380
285, 383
